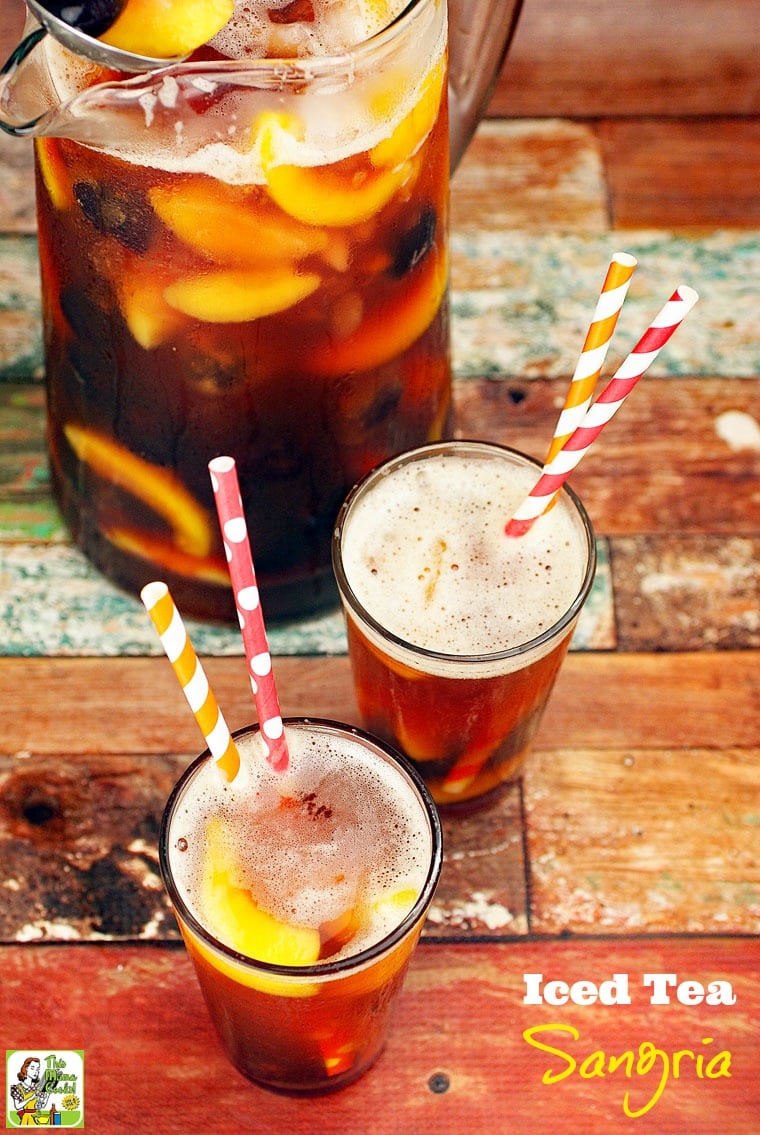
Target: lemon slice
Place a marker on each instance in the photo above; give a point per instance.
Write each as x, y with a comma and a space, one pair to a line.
232, 915
165, 28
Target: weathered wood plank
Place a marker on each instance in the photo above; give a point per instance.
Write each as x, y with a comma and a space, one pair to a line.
687, 592
78, 839
532, 176
456, 1057
701, 436
100, 820
705, 173
521, 301
595, 60
83, 707
89, 784
635, 841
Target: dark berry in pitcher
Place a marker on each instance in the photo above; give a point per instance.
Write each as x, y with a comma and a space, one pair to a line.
90, 16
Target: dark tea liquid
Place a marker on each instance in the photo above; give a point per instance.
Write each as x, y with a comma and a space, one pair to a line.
228, 300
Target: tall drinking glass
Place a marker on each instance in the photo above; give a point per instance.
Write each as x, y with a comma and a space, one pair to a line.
456, 631
300, 897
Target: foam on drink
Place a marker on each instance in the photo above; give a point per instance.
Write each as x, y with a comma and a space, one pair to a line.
341, 831
426, 556
304, 28
323, 130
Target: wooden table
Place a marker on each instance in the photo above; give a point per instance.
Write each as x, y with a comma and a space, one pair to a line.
630, 846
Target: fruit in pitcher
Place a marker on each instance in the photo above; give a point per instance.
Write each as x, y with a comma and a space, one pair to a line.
165, 28
218, 222
90, 16
239, 296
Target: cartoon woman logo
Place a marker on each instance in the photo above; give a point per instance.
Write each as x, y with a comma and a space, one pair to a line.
30, 1096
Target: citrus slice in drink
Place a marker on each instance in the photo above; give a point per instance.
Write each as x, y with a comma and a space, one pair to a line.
232, 915
156, 487
55, 176
209, 569
150, 319
326, 197
166, 28
411, 132
212, 219
329, 196
390, 329
240, 295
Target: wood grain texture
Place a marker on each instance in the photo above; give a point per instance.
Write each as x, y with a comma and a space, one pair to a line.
456, 1057
715, 694
706, 172
638, 810
597, 60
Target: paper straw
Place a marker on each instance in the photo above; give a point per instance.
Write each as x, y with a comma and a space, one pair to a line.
594, 351
237, 548
192, 678
461, 775
557, 471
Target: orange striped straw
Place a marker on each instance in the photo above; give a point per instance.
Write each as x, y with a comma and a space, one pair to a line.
597, 341
557, 471
192, 678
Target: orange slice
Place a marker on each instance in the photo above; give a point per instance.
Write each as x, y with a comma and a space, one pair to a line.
321, 195
390, 329
147, 314
55, 175
206, 568
158, 488
412, 131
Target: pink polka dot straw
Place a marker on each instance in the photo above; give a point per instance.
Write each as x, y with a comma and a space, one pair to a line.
229, 507
556, 471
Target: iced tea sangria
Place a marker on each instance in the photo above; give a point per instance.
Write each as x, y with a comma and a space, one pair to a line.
301, 897
456, 631
246, 254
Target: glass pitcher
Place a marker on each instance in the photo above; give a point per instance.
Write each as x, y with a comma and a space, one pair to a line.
246, 259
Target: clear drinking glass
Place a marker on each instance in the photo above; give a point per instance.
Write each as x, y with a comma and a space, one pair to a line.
457, 632
319, 1024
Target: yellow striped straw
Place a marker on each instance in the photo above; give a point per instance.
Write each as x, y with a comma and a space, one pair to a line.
191, 676
594, 352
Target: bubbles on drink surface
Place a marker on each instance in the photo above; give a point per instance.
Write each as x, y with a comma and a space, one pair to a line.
338, 844
291, 28
425, 554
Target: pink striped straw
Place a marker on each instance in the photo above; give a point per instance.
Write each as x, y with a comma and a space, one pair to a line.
229, 507
557, 471
594, 351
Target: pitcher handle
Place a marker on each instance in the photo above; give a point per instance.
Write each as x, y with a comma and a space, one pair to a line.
7, 74
480, 32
